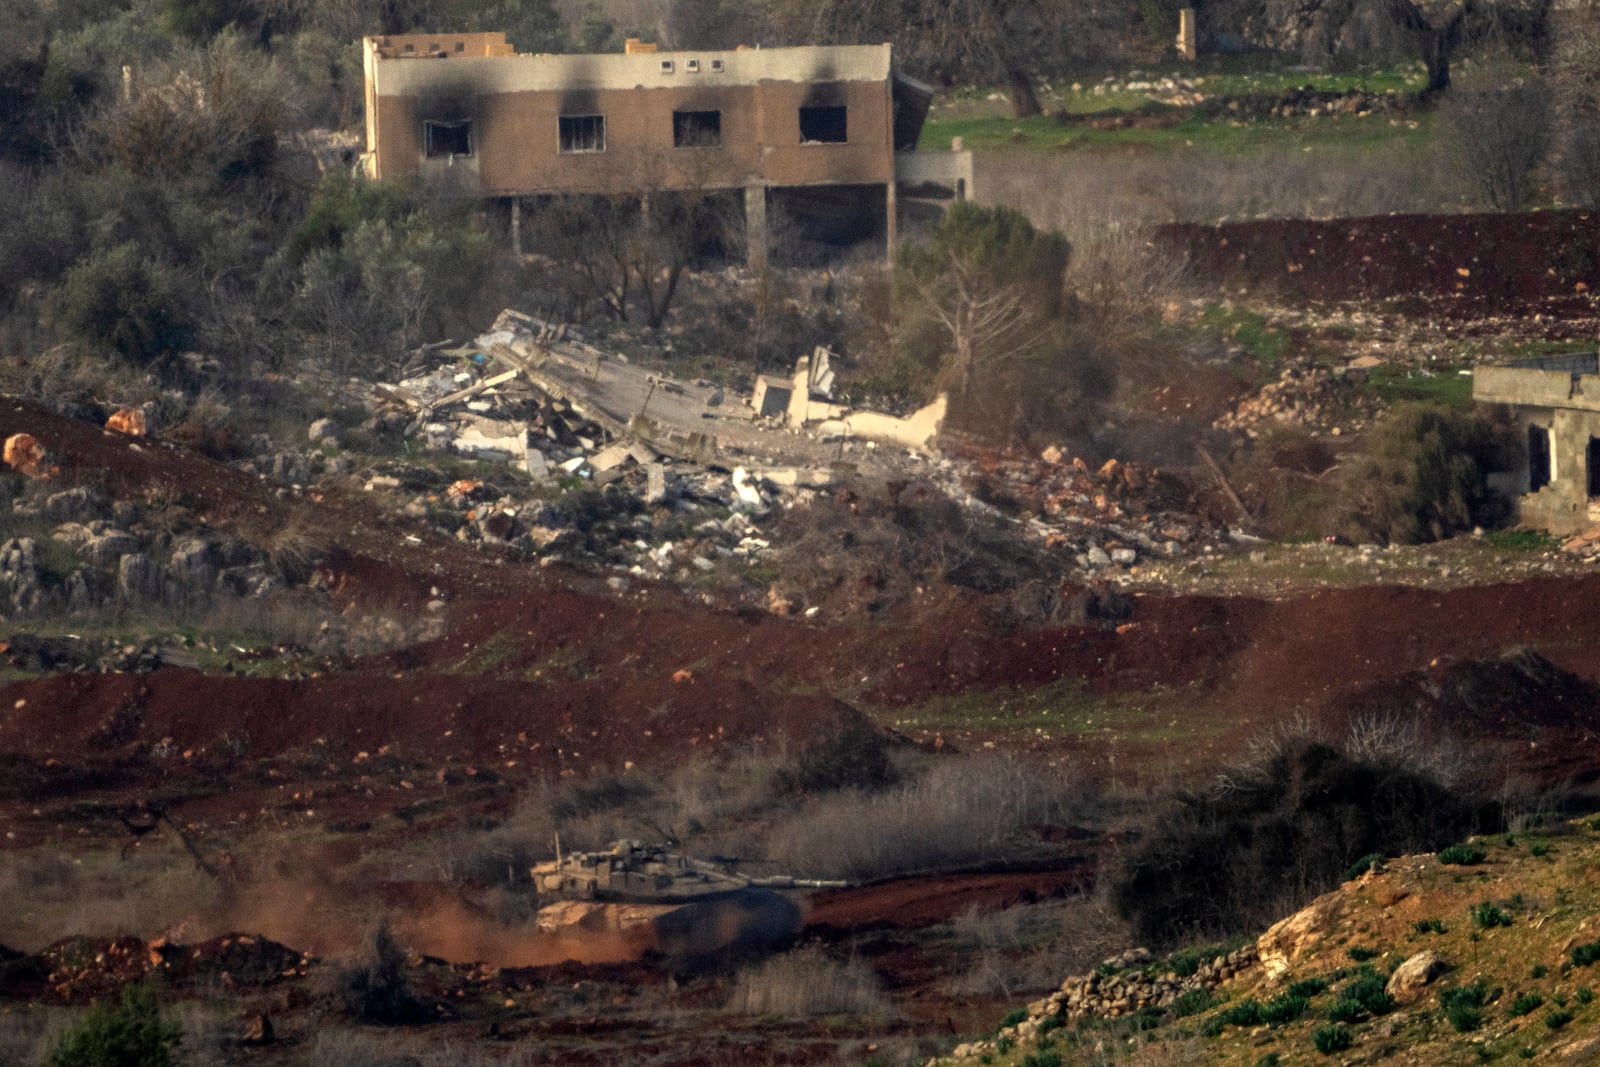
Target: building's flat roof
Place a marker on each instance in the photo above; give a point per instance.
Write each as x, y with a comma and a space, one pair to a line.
407, 75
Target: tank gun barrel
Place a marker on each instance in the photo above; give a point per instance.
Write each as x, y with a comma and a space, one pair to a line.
785, 882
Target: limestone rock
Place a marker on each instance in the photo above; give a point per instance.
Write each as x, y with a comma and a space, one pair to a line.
1411, 976
1292, 938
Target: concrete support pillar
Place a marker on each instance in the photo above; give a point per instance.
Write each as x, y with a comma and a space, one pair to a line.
891, 213
516, 225
1186, 33
755, 226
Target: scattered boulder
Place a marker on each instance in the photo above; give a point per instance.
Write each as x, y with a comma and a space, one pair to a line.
325, 430
1414, 974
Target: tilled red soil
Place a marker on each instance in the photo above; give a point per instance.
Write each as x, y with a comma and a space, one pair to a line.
1462, 266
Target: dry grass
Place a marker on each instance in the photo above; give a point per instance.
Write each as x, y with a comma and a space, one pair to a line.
28, 1031
806, 982
99, 894
958, 812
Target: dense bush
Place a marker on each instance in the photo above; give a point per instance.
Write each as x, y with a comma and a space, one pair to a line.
1424, 475
1276, 833
133, 1034
118, 300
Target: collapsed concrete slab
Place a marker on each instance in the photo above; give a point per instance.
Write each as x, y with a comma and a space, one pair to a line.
918, 431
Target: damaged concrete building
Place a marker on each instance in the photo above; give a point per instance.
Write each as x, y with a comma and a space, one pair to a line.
827, 133
1556, 401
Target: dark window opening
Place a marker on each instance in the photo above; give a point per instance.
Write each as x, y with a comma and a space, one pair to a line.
1538, 458
449, 138
583, 133
461, 46
1594, 467
696, 129
823, 125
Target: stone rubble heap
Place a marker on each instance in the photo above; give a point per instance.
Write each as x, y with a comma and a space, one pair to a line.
1122, 985
1309, 397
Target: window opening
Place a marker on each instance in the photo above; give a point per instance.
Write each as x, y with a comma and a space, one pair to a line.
1594, 466
696, 129
692, 66
449, 138
716, 66
461, 46
666, 66
823, 125
583, 133
1539, 458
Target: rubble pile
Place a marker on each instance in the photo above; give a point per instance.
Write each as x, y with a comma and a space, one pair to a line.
1314, 398
1112, 516
1124, 985
82, 969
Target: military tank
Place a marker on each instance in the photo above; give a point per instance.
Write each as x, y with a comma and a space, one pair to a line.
633, 872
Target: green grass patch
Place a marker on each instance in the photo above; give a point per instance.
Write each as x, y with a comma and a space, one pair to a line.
1442, 386
1526, 1003
1331, 1039
1361, 954
1586, 954
1463, 1006
1062, 709
1486, 915
1462, 855
1522, 541
1258, 336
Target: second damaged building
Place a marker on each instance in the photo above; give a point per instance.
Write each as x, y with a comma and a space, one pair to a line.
826, 132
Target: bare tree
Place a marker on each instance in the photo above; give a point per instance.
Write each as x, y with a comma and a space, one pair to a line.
1575, 82
989, 40
1435, 27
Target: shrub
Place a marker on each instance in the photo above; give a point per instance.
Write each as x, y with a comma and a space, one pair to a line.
1245, 1013
1428, 926
120, 301
1462, 855
1363, 865
1424, 475
1486, 915
1308, 987
1526, 1003
1346, 1011
1585, 995
1191, 1002
1557, 1019
1331, 1039
1584, 955
1048, 1057
131, 1035
1463, 1006
1361, 954
1367, 989
1283, 828
1013, 1017
374, 989
1285, 1008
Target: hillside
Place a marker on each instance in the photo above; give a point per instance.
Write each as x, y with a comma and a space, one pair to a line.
1481, 953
